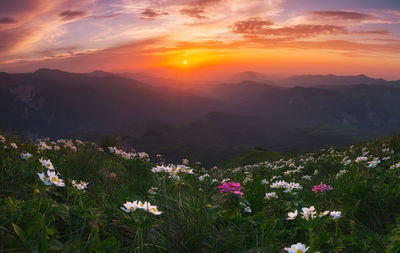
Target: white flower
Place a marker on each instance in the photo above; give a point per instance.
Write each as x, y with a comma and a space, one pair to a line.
373, 163
308, 212
361, 159
292, 186
130, 206
264, 181
346, 162
278, 184
55, 179
154, 210
2, 139
247, 209
80, 186
146, 206
225, 180
248, 179
43, 146
297, 248
25, 156
143, 205
202, 177
270, 195
44, 178
152, 190
306, 177
185, 161
158, 169
322, 214
46, 163
79, 142
275, 177
13, 145
341, 172
336, 214
292, 215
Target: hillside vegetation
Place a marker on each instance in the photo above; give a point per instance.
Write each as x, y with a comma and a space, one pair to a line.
209, 123
75, 196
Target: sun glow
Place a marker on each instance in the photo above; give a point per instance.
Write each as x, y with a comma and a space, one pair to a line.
185, 62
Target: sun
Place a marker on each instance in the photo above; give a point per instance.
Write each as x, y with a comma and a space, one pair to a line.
185, 62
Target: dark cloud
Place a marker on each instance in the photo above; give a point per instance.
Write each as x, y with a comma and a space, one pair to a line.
259, 27
149, 13
13, 7
70, 15
343, 15
374, 32
7, 20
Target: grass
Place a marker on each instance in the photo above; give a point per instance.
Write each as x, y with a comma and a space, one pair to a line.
254, 156
196, 216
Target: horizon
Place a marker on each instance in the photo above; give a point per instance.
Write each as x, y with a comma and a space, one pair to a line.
195, 39
234, 77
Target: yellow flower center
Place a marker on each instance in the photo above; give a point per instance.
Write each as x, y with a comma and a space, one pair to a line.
36, 191
48, 165
131, 208
299, 251
45, 178
54, 179
154, 210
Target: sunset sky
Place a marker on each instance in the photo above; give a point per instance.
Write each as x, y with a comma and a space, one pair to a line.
214, 37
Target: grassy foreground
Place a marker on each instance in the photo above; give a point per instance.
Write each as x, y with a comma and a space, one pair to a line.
73, 196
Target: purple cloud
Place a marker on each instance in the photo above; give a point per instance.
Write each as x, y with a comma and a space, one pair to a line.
7, 20
343, 15
70, 15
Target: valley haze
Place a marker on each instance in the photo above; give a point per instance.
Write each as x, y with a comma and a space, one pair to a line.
211, 122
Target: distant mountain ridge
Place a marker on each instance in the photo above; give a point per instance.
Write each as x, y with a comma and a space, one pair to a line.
311, 80
216, 123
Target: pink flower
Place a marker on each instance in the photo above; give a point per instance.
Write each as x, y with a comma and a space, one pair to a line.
321, 187
231, 187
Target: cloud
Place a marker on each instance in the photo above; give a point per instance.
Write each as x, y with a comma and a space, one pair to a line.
374, 32
252, 26
267, 28
71, 15
198, 9
263, 27
343, 15
104, 16
149, 13
194, 12
7, 20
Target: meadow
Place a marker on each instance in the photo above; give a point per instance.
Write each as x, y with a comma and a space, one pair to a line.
76, 196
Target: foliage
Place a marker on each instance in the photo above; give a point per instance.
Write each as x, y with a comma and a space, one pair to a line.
277, 209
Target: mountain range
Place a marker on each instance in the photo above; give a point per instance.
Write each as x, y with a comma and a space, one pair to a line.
210, 123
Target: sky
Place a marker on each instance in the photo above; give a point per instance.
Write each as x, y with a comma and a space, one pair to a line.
202, 38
